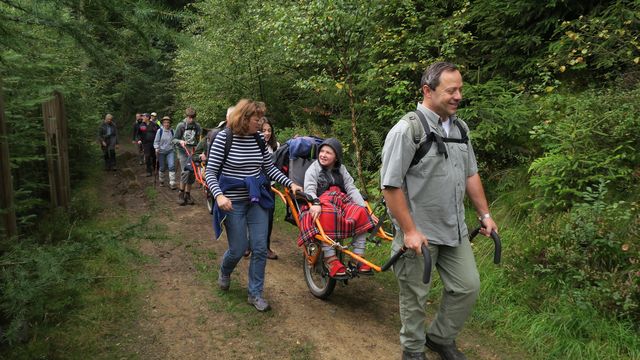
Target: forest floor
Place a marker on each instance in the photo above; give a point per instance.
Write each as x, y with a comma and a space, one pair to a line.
185, 316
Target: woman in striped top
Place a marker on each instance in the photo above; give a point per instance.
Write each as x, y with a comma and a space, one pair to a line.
238, 183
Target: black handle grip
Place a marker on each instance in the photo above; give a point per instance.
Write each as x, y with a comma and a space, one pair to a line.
393, 259
426, 254
306, 196
497, 244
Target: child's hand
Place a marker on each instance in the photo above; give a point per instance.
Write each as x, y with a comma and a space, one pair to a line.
315, 211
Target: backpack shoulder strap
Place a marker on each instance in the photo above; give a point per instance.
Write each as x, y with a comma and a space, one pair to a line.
415, 123
423, 149
261, 143
228, 141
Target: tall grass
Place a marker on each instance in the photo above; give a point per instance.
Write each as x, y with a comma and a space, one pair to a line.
72, 289
545, 319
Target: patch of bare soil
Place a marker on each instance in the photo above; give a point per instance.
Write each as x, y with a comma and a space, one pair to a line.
186, 317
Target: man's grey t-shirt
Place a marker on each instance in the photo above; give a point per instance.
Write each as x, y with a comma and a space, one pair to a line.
434, 188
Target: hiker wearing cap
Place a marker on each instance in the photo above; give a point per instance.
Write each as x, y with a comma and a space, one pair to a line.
163, 144
108, 138
186, 139
146, 137
155, 120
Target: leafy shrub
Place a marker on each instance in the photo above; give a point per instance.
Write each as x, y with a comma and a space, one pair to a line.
499, 116
587, 138
589, 256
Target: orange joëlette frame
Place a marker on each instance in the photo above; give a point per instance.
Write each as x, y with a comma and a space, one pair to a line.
196, 170
287, 198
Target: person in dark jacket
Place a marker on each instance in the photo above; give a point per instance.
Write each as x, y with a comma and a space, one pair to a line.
146, 136
134, 138
108, 139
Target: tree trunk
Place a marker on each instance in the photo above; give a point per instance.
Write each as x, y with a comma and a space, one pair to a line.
7, 210
354, 135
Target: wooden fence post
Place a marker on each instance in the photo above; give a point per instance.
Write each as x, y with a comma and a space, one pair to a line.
57, 144
7, 210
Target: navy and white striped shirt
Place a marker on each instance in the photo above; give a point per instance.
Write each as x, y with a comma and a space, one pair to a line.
244, 160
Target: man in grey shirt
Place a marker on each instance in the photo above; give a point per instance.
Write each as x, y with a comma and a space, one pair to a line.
425, 201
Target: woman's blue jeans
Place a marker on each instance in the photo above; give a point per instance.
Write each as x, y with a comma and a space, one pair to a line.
170, 161
247, 226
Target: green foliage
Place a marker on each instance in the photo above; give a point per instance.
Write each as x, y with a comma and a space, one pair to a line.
603, 44
587, 138
590, 255
500, 117
104, 57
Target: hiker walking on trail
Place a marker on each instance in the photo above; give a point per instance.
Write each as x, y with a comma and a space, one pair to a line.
238, 174
146, 136
135, 136
424, 195
272, 145
185, 140
108, 139
163, 144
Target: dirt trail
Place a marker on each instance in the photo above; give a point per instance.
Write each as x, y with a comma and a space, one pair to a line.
186, 317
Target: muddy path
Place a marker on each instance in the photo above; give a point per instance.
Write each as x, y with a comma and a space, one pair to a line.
185, 316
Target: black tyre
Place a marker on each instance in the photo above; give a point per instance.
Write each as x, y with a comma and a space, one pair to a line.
209, 202
317, 277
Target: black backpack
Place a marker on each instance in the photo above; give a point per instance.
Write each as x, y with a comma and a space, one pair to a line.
431, 137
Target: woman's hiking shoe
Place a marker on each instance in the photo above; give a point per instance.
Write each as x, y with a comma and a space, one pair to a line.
446, 352
259, 303
413, 355
271, 255
224, 281
336, 268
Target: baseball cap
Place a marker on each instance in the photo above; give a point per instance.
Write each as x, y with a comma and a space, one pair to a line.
154, 114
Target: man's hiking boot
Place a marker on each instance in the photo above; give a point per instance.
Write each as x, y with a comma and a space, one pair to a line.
446, 352
182, 201
224, 281
413, 355
188, 199
259, 303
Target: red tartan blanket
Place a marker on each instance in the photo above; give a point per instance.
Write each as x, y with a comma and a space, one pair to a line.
340, 218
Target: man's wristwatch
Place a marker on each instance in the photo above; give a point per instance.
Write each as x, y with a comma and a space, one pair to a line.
316, 201
485, 216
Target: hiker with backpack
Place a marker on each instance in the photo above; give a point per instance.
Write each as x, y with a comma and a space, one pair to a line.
146, 136
108, 139
428, 164
272, 145
134, 138
163, 144
185, 141
238, 173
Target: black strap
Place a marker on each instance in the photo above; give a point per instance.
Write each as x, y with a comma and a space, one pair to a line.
228, 141
431, 137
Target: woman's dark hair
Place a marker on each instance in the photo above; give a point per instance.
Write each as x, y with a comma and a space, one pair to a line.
273, 142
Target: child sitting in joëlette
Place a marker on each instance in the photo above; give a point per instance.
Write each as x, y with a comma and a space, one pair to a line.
338, 204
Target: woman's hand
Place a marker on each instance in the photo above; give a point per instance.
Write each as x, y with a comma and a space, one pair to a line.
315, 211
224, 203
295, 188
